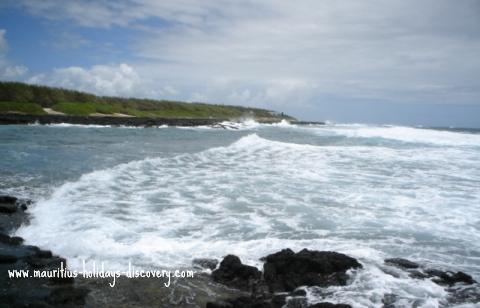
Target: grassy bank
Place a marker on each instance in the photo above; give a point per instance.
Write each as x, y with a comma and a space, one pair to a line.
18, 107
18, 97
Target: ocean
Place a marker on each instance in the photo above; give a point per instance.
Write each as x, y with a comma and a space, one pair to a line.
161, 196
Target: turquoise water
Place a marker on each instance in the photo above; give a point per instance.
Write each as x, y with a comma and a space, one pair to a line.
161, 196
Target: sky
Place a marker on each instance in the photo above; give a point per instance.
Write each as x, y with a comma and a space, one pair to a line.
409, 62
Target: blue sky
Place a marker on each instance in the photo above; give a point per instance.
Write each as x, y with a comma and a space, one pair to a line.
393, 62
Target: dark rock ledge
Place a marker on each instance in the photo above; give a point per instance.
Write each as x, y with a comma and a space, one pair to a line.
104, 120
14, 255
21, 119
415, 270
284, 273
462, 288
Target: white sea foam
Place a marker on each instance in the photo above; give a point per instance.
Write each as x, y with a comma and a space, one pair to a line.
244, 124
61, 125
78, 125
405, 134
257, 196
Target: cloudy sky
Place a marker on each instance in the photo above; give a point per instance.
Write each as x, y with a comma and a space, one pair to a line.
375, 61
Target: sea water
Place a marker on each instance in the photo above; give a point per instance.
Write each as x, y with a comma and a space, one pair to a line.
159, 197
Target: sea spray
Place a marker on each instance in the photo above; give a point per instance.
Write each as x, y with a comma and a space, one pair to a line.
372, 192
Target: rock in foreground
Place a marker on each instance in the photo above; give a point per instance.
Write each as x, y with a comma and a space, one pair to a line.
233, 273
438, 276
285, 271
29, 291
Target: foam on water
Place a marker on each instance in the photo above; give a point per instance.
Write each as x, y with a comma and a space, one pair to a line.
257, 196
73, 125
405, 134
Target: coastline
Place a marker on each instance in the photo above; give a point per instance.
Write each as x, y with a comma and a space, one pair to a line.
24, 119
283, 282
67, 291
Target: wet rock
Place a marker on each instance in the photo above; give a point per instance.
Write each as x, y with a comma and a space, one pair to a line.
329, 305
10, 240
449, 278
23, 291
62, 280
403, 263
219, 305
5, 258
461, 294
389, 300
8, 199
67, 296
439, 276
297, 302
417, 274
278, 300
38, 262
286, 270
106, 120
233, 273
7, 208
299, 292
10, 217
242, 302
151, 292
202, 263
8, 204
45, 254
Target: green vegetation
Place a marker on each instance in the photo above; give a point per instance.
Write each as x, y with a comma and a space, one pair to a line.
31, 99
27, 108
86, 108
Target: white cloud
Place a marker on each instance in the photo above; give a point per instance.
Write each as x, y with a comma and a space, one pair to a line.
8, 71
250, 51
13, 72
65, 40
3, 46
104, 79
110, 80
105, 13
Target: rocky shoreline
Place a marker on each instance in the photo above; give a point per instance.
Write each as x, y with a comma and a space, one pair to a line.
19, 119
283, 282
14, 255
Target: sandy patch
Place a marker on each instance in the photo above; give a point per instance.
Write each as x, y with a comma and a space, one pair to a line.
116, 115
51, 111
123, 115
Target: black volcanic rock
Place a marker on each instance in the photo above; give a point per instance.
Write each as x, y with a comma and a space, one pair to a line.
10, 216
8, 199
31, 292
6, 258
329, 305
403, 263
67, 296
438, 276
204, 263
233, 273
8, 208
250, 302
105, 120
276, 301
10, 240
449, 278
240, 302
286, 270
